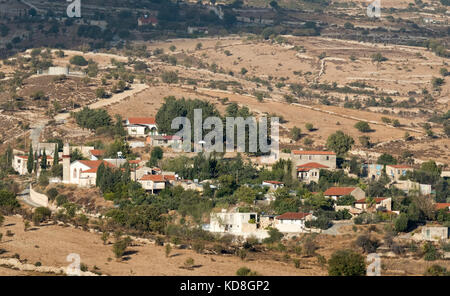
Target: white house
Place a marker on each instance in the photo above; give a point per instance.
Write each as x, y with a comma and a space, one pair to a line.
141, 126
235, 223
19, 163
172, 141
292, 222
310, 172
274, 185
84, 172
153, 183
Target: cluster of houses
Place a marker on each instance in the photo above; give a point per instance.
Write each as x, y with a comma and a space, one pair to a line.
307, 167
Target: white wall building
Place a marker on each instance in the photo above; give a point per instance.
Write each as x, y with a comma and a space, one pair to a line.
141, 126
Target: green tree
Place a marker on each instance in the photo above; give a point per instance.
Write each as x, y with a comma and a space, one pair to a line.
346, 263
78, 60
340, 143
401, 223
30, 161
296, 133
386, 159
245, 194
363, 126
155, 156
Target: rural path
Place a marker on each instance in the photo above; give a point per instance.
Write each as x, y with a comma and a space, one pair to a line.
334, 230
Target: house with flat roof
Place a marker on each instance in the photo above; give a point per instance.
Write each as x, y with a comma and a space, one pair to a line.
326, 158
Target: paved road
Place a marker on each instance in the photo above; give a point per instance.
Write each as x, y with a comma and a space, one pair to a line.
24, 196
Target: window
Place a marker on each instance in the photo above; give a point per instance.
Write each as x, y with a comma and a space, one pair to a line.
74, 173
327, 158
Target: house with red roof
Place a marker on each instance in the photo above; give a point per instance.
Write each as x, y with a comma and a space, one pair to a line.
274, 185
96, 154
336, 192
292, 221
396, 171
442, 205
379, 203
326, 158
19, 163
156, 183
310, 172
84, 172
141, 126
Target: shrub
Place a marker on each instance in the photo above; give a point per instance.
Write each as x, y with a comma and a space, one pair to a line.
430, 252
52, 193
346, 263
401, 223
244, 271
437, 270
367, 244
78, 60
363, 126
274, 236
296, 263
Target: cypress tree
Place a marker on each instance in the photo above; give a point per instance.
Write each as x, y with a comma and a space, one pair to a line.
30, 161
44, 161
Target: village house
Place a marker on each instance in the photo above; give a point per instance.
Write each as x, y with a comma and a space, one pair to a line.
234, 223
434, 233
141, 126
336, 192
381, 203
395, 172
84, 172
301, 157
202, 30
147, 20
373, 170
273, 185
292, 222
19, 163
310, 172
96, 154
408, 185
174, 141
189, 185
156, 183
443, 205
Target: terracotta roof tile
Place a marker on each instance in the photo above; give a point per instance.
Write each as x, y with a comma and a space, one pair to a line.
339, 191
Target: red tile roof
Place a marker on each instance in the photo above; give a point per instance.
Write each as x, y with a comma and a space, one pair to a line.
142, 120
442, 205
154, 178
169, 177
94, 164
97, 152
312, 152
273, 182
310, 165
339, 191
292, 216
